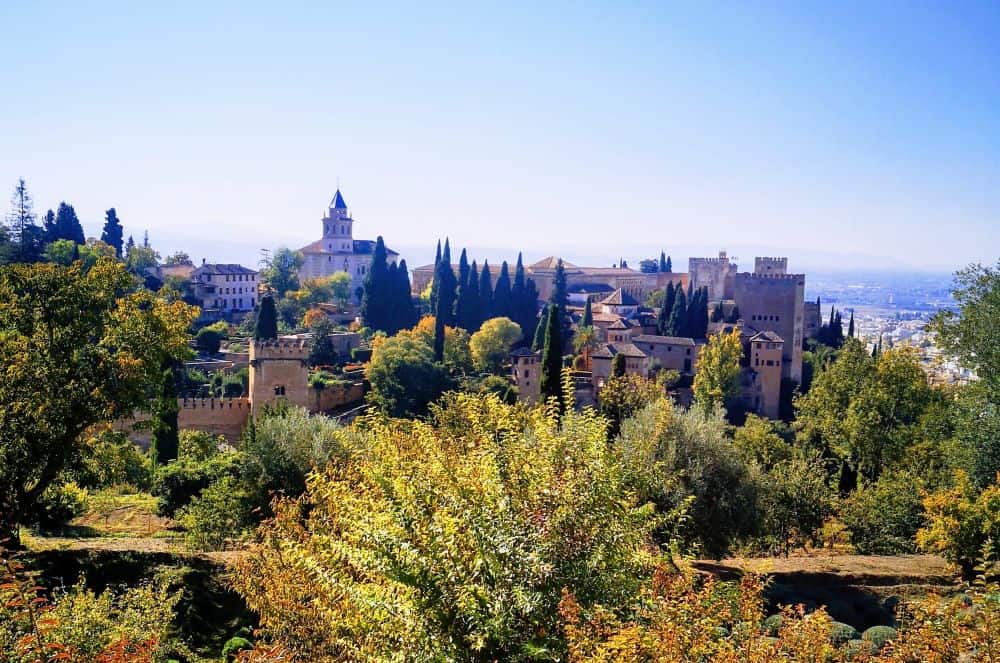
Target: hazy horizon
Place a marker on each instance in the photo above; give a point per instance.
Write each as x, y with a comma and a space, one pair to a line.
860, 136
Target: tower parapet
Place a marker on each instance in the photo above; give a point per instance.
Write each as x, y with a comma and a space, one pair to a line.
764, 266
279, 371
716, 274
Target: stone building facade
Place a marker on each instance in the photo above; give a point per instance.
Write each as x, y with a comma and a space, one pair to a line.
771, 301
716, 274
225, 290
337, 250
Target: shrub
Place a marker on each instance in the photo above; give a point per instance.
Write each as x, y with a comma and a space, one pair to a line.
208, 341
218, 513
883, 518
879, 635
841, 633
111, 459
773, 624
178, 482
199, 445
234, 646
59, 504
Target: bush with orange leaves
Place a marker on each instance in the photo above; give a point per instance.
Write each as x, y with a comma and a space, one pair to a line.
686, 617
79, 626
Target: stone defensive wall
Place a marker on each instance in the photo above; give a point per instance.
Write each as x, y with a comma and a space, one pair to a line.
219, 416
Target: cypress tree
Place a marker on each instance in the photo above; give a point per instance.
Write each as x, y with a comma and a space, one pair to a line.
618, 365
734, 315
850, 326
663, 262
49, 227
266, 327
475, 301
485, 294
390, 312
113, 233
670, 267
129, 245
465, 305
165, 442
445, 301
538, 341
717, 313
502, 294
678, 315
669, 297
463, 269
560, 300
375, 302
551, 382
588, 315
434, 278
407, 313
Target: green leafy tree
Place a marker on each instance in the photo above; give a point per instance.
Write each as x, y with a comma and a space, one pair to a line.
177, 258
491, 345
795, 499
716, 382
618, 365
398, 576
282, 273
113, 234
141, 258
79, 348
552, 359
883, 518
61, 252
322, 352
624, 395
404, 376
267, 320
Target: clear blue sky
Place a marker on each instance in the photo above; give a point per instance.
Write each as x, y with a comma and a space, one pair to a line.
868, 129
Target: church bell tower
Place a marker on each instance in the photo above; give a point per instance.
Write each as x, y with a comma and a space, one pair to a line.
338, 234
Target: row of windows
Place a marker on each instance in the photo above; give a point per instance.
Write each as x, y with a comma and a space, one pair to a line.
768, 362
670, 348
236, 303
240, 277
360, 269
237, 291
769, 318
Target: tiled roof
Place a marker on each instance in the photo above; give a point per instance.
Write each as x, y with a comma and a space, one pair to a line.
668, 340
589, 288
550, 263
767, 336
619, 324
620, 298
210, 268
361, 247
609, 350
524, 352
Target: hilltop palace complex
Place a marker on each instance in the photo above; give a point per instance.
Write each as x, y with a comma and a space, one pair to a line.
766, 306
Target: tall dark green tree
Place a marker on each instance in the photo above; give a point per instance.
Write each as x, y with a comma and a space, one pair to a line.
49, 226
717, 313
502, 293
588, 315
468, 294
67, 225
445, 301
559, 301
377, 298
485, 294
663, 262
266, 327
129, 245
850, 326
26, 237
670, 266
552, 361
734, 314
165, 441
524, 301
113, 234
434, 278
404, 312
538, 339
678, 315
663, 319
618, 365
463, 270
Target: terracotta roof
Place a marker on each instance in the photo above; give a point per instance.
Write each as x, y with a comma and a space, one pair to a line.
609, 350
360, 247
767, 336
619, 324
550, 263
620, 298
667, 340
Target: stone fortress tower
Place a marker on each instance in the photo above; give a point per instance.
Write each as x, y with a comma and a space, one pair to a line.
717, 274
279, 371
770, 299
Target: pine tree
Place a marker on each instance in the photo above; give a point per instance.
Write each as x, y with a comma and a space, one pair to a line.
670, 267
266, 327
129, 245
502, 294
552, 361
113, 232
434, 278
538, 341
485, 294
25, 235
663, 262
678, 315
588, 315
376, 300
850, 326
49, 227
67, 225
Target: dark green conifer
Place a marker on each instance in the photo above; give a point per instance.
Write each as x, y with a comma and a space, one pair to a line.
113, 233
266, 327
485, 294
588, 315
502, 294
618, 365
552, 361
538, 340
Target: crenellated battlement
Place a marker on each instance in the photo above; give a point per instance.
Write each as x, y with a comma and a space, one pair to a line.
774, 277
283, 347
770, 265
213, 403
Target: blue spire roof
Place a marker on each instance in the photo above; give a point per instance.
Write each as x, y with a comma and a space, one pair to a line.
338, 201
